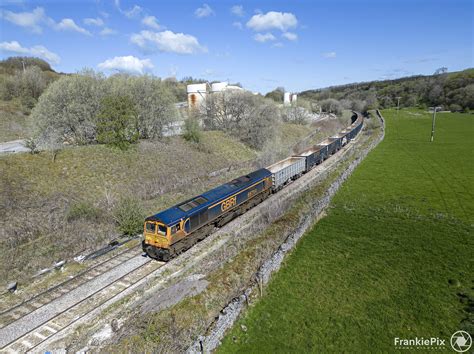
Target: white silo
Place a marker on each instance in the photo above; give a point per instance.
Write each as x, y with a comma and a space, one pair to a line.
196, 94
218, 86
294, 97
286, 98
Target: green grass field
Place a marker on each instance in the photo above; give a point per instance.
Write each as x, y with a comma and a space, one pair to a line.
393, 257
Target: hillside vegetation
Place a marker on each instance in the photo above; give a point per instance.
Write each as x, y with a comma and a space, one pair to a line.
453, 91
392, 258
22, 81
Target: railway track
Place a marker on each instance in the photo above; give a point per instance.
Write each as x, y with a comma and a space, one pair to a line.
36, 327
20, 310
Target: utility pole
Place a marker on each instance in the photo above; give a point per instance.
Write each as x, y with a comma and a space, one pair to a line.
433, 122
398, 104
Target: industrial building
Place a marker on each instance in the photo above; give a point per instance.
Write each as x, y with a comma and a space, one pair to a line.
197, 93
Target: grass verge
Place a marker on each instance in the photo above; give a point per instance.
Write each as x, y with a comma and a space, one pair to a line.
393, 258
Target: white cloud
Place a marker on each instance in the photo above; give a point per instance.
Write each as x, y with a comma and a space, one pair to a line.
238, 25
94, 22
277, 45
238, 10
151, 22
204, 11
272, 20
264, 37
35, 19
128, 63
68, 24
107, 32
37, 51
134, 12
31, 20
329, 55
290, 36
167, 41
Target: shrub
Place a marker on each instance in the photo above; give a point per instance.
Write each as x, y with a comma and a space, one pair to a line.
32, 144
455, 108
129, 216
117, 122
83, 210
192, 130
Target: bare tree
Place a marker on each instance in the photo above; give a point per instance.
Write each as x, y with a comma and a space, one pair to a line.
297, 113
248, 117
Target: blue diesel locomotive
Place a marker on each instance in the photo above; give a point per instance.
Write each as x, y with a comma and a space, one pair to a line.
174, 230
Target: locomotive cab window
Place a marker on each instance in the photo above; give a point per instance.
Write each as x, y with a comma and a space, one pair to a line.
175, 228
150, 227
162, 230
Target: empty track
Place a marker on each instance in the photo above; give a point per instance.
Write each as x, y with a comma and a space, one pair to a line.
37, 326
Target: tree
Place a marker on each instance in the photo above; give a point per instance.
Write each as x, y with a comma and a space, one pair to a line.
70, 106
276, 95
153, 102
27, 84
331, 105
297, 113
440, 71
435, 95
117, 122
248, 117
13, 64
387, 102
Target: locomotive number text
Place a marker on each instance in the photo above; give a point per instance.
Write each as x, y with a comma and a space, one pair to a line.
229, 203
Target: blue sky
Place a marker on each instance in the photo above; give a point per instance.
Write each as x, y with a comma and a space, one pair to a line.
262, 44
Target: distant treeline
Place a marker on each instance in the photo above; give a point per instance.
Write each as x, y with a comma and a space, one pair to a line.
25, 79
452, 91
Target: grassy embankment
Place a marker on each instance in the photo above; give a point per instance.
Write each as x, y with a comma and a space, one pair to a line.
393, 257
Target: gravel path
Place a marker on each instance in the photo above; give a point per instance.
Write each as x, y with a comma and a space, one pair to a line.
13, 147
36, 318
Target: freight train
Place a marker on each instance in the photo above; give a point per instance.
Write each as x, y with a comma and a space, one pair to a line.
174, 230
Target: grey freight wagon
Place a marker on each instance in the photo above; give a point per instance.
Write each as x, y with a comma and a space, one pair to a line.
330, 146
286, 170
314, 156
